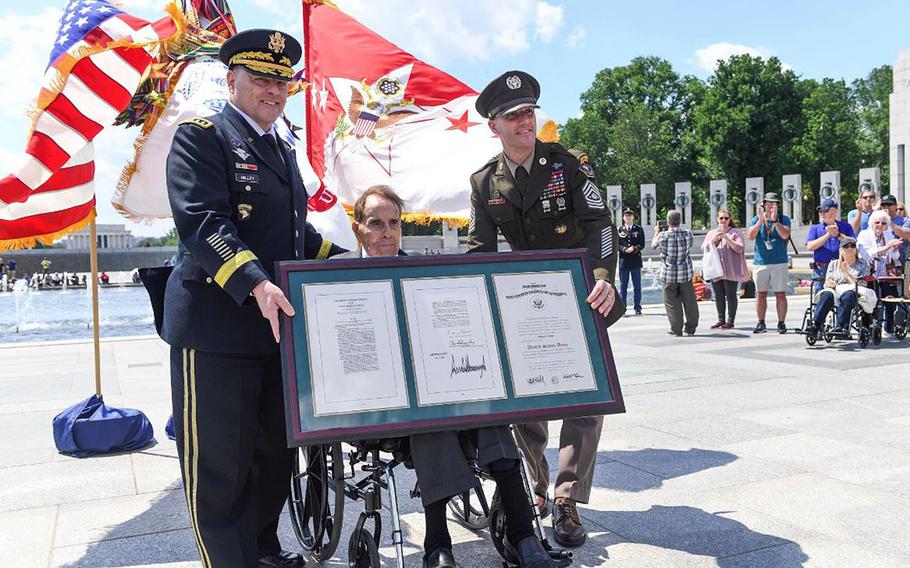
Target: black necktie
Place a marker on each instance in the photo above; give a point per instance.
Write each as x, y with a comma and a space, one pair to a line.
273, 144
521, 174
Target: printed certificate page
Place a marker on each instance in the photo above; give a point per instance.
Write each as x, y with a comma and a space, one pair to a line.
544, 335
456, 357
355, 351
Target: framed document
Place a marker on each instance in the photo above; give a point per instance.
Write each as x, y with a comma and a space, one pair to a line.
391, 346
455, 353
356, 364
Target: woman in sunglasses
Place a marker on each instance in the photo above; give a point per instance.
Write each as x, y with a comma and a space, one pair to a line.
841, 289
731, 250
879, 246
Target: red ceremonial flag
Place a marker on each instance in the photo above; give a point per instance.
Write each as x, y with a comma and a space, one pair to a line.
98, 60
375, 114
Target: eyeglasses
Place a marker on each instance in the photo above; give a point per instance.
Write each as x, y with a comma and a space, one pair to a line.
879, 223
900, 208
723, 218
849, 246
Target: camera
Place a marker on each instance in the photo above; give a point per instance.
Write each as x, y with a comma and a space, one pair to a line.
663, 225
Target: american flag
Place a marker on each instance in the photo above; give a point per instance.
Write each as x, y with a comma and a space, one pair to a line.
98, 60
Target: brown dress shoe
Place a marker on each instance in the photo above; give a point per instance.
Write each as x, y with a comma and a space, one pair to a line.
567, 527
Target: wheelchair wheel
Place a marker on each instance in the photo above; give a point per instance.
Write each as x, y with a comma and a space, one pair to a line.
363, 551
828, 337
863, 337
876, 335
317, 499
811, 336
470, 509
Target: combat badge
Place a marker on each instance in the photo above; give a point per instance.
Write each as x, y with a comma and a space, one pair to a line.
243, 154
244, 210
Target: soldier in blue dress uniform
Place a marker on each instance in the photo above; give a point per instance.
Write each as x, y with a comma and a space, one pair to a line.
239, 206
631, 242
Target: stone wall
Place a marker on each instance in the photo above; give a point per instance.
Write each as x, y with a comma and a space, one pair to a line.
111, 260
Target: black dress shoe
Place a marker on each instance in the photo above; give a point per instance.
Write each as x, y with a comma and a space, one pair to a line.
283, 559
531, 554
440, 558
567, 529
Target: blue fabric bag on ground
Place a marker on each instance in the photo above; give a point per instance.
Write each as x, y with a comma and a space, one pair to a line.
91, 427
169, 428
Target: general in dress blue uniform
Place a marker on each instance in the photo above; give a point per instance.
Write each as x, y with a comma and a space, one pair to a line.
239, 205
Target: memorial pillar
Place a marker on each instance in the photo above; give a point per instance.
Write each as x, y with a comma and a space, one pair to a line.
683, 201
755, 190
648, 204
614, 202
793, 198
717, 198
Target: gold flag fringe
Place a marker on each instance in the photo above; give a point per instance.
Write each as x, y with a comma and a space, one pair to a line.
421, 217
47, 239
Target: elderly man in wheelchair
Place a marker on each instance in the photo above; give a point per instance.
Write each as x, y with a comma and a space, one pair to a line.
446, 463
844, 291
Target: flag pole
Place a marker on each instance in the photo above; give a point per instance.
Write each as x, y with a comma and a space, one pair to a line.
93, 254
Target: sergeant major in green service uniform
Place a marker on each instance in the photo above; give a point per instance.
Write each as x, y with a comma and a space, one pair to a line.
540, 196
239, 205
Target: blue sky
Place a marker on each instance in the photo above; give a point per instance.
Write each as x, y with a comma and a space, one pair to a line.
562, 43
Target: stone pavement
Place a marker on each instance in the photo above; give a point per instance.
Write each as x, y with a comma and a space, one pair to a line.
736, 450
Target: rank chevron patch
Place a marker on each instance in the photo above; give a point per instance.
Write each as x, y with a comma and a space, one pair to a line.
592, 195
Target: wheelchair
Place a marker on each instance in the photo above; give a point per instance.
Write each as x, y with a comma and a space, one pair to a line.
868, 327
321, 483
900, 318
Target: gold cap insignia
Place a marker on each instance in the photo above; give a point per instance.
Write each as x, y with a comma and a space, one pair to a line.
560, 229
276, 42
244, 210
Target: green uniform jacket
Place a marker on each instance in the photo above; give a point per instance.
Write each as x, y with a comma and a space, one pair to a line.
561, 208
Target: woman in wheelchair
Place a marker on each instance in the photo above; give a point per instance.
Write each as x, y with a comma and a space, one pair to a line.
841, 288
440, 459
879, 246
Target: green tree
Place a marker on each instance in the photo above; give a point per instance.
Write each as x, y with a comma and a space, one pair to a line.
745, 121
632, 125
871, 95
829, 140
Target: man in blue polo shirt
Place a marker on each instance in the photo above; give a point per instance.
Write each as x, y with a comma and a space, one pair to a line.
824, 240
770, 230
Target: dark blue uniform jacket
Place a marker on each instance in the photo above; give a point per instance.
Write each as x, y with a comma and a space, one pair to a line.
238, 209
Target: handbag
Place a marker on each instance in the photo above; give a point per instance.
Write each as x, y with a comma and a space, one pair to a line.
710, 263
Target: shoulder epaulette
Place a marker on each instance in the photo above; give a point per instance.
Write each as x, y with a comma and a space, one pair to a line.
199, 121
491, 161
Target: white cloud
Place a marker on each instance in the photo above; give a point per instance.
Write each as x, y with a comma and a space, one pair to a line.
707, 57
576, 36
468, 29
25, 46
550, 20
